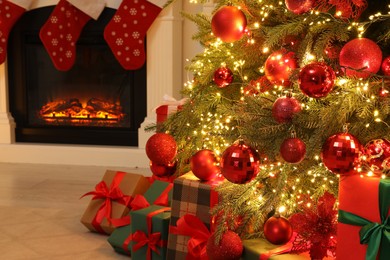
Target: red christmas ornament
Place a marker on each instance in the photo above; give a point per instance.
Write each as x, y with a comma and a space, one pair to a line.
279, 67
299, 6
278, 230
376, 152
223, 77
285, 108
341, 153
293, 150
229, 23
204, 165
229, 248
163, 170
240, 163
316, 79
386, 66
361, 57
161, 148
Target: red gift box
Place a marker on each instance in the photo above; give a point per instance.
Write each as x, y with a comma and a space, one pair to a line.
361, 197
169, 106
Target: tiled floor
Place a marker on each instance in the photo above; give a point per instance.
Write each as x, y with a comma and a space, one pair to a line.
40, 212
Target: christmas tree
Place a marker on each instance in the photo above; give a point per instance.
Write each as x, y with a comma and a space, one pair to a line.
289, 96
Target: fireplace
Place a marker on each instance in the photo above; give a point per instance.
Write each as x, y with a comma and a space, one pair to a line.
95, 102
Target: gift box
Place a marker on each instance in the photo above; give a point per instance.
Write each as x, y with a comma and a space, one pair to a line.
149, 232
190, 196
158, 193
363, 218
170, 105
254, 248
111, 199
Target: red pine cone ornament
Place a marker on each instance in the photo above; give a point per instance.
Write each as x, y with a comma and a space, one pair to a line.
386, 66
278, 230
161, 148
361, 57
229, 24
279, 67
163, 170
377, 153
240, 163
299, 6
316, 80
229, 248
223, 76
285, 108
293, 150
204, 165
341, 153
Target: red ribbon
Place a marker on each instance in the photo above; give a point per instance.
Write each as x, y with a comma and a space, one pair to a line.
191, 226
152, 240
113, 193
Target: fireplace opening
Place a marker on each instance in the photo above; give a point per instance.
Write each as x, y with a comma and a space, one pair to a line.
95, 102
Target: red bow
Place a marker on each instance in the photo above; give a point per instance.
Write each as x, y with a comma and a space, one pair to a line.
113, 193
152, 241
191, 226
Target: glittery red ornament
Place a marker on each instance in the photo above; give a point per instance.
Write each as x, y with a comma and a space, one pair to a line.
376, 152
278, 230
386, 66
229, 248
316, 79
161, 148
299, 6
361, 57
285, 108
223, 77
162, 170
240, 163
279, 67
341, 153
229, 23
293, 150
204, 165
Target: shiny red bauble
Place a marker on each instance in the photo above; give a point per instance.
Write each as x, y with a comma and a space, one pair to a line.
299, 6
162, 170
316, 79
161, 148
361, 57
341, 153
223, 77
386, 66
293, 150
278, 230
229, 23
285, 108
279, 67
240, 163
204, 165
229, 248
376, 152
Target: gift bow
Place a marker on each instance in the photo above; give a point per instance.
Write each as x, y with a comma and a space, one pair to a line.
376, 235
152, 241
168, 100
113, 193
191, 226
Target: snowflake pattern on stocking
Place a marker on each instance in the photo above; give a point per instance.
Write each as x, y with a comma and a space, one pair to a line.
126, 31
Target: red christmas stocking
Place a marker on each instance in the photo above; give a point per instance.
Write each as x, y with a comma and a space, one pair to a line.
60, 33
9, 14
126, 32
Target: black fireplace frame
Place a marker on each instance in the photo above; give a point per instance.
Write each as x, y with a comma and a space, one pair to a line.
18, 75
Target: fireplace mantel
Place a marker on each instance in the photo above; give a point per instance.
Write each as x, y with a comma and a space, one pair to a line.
164, 61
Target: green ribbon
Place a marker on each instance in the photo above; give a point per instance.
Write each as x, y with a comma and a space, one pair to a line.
376, 235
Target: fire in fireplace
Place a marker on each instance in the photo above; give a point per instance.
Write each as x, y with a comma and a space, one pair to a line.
95, 102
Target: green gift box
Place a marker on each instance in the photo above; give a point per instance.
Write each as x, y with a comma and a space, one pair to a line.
149, 232
254, 248
157, 192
